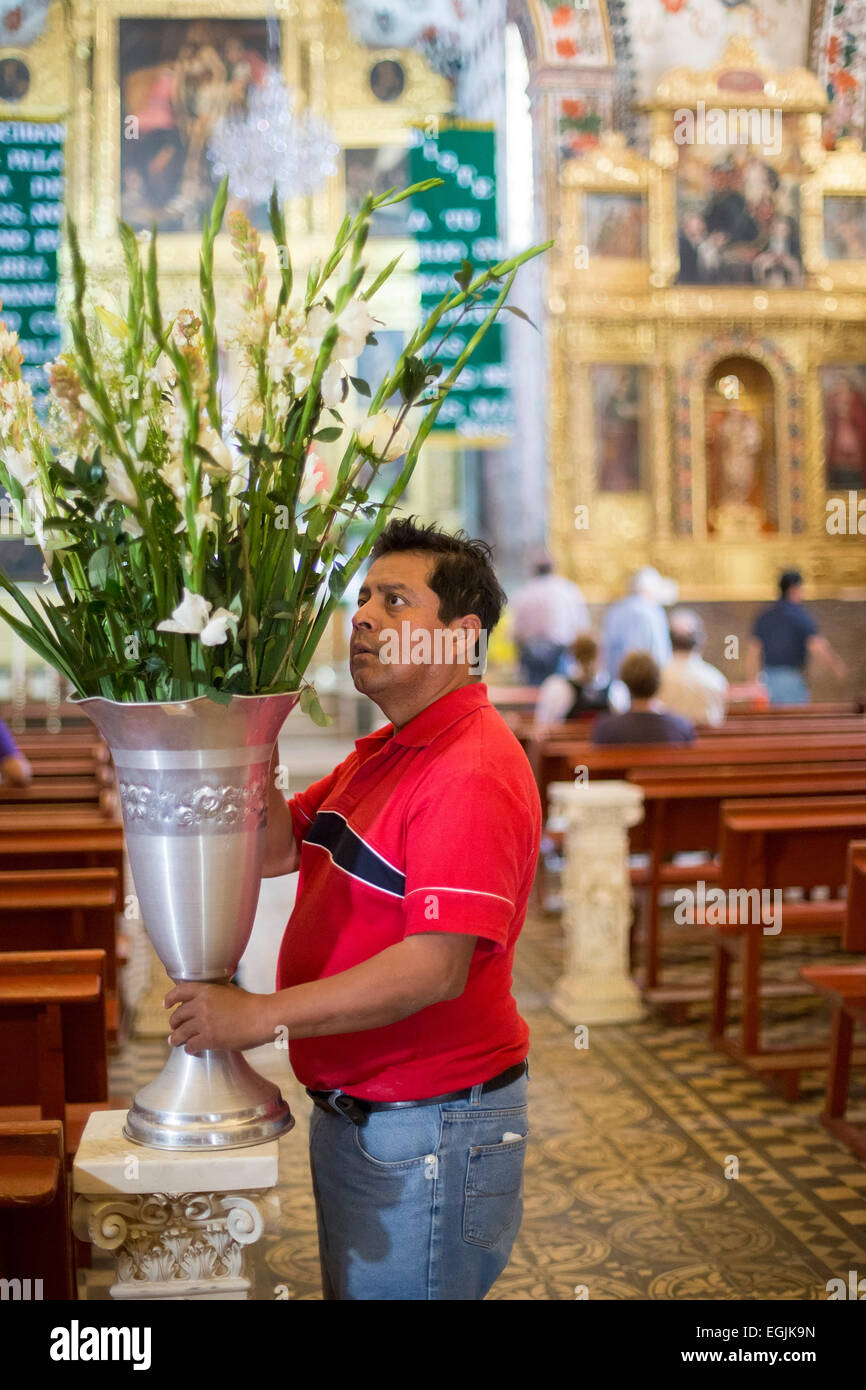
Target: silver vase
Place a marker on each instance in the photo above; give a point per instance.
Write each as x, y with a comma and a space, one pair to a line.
193, 783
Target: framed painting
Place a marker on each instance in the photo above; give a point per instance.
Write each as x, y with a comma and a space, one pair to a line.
178, 79
738, 213
843, 401
616, 225
619, 420
845, 228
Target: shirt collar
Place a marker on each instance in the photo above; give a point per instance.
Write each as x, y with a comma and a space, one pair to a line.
432, 721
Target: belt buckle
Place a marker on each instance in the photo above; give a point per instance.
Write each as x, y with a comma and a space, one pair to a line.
350, 1107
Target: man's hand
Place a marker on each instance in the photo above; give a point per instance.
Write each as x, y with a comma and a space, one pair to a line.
217, 1016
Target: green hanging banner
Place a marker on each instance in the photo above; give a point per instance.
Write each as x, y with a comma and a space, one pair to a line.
453, 223
32, 209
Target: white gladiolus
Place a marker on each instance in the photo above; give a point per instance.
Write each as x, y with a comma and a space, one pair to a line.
119, 485
191, 615
20, 465
88, 404
333, 385
216, 630
356, 322
312, 479
217, 448
384, 437
141, 426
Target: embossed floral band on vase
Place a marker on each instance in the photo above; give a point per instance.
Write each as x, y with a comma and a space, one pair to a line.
193, 783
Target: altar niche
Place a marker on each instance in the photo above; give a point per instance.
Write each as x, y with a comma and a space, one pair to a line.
740, 447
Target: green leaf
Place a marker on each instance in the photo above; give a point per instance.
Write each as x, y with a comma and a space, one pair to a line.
219, 697
329, 434
98, 566
464, 275
360, 385
519, 314
310, 705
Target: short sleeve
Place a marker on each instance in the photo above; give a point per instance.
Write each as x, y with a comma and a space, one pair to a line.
808, 624
304, 805
470, 845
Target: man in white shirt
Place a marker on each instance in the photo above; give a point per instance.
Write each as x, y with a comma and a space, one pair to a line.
547, 615
689, 685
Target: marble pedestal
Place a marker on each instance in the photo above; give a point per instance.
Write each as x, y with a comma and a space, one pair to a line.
178, 1223
596, 986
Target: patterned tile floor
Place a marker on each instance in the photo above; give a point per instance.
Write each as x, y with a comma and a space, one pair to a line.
628, 1193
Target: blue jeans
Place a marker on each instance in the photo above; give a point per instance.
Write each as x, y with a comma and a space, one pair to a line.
785, 686
423, 1203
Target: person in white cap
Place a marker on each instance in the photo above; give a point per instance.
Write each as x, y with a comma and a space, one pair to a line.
638, 623
547, 614
690, 686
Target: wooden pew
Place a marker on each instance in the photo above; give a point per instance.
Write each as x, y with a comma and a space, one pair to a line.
845, 987
681, 815
57, 909
52, 1021
35, 1230
558, 761
62, 837
792, 842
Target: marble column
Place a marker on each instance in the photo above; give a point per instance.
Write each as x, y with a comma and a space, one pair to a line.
178, 1223
596, 986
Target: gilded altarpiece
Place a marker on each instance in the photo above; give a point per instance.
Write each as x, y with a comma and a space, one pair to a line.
743, 317
324, 68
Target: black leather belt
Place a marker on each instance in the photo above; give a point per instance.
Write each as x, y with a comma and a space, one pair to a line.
357, 1110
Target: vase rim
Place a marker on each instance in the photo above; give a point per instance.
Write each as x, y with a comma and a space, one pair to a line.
161, 704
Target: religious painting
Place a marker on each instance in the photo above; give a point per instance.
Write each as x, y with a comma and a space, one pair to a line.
375, 170
843, 396
740, 448
179, 78
619, 407
845, 228
616, 225
738, 206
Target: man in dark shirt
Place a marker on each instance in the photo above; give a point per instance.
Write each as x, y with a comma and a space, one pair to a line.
644, 721
784, 636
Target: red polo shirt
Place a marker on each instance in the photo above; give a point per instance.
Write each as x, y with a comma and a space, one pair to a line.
432, 828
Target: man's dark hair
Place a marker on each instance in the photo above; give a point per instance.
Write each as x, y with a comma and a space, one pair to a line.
640, 674
463, 577
791, 579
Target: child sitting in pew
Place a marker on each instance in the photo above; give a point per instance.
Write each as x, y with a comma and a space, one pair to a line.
583, 690
645, 721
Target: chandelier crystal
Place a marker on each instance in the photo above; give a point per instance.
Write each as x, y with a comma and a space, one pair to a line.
273, 144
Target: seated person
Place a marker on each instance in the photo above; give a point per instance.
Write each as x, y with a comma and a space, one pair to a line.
583, 690
689, 685
645, 721
14, 767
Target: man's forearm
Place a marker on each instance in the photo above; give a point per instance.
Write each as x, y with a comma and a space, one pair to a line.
377, 992
281, 851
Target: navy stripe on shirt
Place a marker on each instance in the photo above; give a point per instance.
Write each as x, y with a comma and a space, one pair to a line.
350, 853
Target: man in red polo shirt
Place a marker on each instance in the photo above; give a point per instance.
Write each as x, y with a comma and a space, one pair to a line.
416, 856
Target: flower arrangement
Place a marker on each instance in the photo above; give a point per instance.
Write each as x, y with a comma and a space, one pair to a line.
188, 557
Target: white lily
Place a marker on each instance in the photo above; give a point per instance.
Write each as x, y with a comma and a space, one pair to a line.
216, 630
384, 437
191, 615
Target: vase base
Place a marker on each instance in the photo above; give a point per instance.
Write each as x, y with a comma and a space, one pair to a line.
213, 1101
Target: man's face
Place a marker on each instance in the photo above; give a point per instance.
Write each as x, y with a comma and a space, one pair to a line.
394, 649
